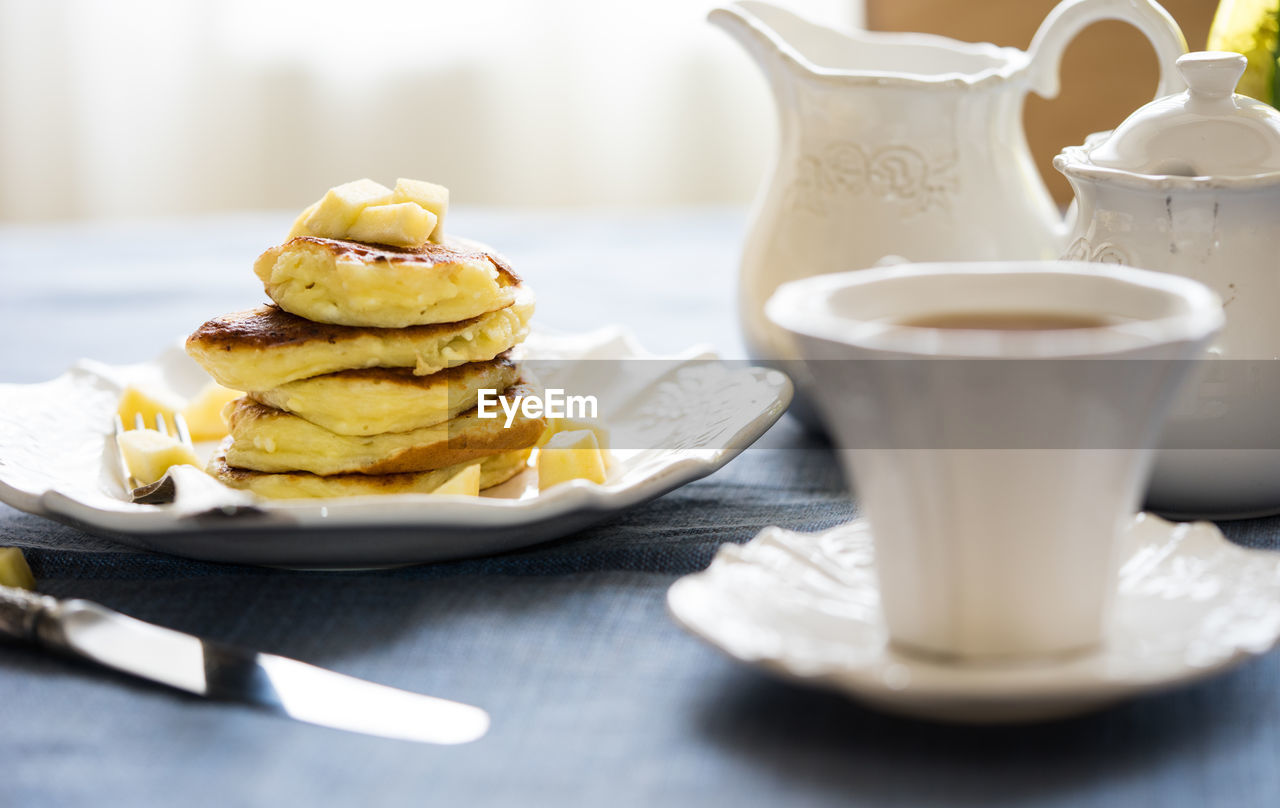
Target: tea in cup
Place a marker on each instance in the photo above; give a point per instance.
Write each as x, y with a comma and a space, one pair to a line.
997, 421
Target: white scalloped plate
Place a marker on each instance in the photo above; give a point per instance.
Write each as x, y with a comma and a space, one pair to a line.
56, 460
805, 606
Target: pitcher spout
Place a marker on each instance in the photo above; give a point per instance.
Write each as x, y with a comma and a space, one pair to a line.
755, 27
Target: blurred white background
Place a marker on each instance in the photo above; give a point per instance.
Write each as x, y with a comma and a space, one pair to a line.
133, 108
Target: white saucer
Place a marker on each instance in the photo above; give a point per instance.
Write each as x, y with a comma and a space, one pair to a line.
805, 606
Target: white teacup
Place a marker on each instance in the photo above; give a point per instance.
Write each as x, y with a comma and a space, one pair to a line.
996, 490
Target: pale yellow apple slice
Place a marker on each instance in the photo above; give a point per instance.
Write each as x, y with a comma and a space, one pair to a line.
465, 482
432, 197
570, 456
14, 570
149, 454
400, 224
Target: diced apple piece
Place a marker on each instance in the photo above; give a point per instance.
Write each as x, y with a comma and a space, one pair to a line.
300, 224
14, 570
558, 425
570, 456
204, 412
337, 211
465, 482
434, 198
134, 400
400, 224
149, 454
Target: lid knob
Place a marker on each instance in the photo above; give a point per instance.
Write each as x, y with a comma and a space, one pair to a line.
1208, 131
1211, 74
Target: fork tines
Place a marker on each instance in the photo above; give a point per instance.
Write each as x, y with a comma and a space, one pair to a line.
161, 426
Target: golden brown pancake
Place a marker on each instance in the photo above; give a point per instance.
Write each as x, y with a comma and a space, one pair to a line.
267, 439
494, 470
357, 284
267, 347
376, 400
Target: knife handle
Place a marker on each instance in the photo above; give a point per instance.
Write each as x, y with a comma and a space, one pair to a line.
20, 612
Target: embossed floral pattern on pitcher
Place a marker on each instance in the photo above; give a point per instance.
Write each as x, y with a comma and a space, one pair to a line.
896, 174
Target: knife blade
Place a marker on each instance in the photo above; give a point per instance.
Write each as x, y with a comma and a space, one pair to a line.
225, 672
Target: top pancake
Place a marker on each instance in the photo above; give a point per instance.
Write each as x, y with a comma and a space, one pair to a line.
357, 284
266, 347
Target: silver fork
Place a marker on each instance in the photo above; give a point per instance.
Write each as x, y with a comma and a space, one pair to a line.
162, 491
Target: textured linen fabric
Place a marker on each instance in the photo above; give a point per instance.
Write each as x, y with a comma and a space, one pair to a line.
597, 698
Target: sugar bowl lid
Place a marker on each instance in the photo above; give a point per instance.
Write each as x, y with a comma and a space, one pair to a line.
1207, 131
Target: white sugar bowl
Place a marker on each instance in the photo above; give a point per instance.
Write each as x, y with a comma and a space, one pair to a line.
1190, 184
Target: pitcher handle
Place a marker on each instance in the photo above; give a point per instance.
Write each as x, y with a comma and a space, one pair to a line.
1071, 17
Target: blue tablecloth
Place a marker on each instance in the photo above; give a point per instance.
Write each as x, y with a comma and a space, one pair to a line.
596, 697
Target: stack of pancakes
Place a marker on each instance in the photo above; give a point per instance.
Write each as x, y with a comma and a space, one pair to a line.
363, 377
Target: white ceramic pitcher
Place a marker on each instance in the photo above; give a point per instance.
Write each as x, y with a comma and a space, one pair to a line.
905, 144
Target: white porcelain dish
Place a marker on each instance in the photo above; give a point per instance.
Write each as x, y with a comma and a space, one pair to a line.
805, 606
1190, 185
57, 461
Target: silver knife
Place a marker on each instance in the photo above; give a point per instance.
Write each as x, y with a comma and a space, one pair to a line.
219, 671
